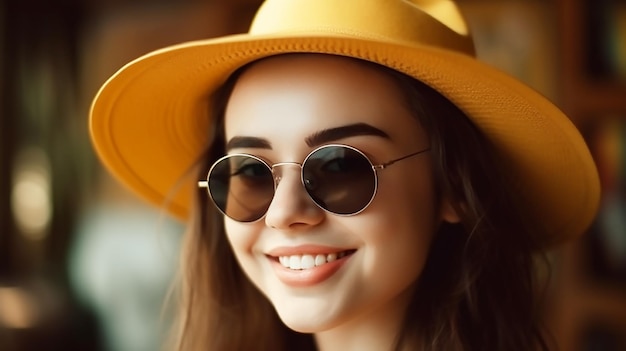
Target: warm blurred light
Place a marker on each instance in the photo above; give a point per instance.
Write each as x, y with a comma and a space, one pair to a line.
17, 308
31, 198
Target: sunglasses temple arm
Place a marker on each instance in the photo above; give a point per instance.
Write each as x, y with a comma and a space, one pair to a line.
203, 184
385, 165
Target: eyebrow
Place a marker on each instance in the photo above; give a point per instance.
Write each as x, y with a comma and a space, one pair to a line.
315, 139
332, 134
248, 142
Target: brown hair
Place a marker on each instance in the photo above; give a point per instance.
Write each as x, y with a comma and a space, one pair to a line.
478, 290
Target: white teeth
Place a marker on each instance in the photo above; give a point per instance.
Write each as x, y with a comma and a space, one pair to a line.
320, 260
295, 262
307, 262
298, 262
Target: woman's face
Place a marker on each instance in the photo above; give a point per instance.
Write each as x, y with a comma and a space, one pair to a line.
369, 262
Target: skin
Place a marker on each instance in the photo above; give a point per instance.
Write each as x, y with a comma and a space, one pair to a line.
276, 107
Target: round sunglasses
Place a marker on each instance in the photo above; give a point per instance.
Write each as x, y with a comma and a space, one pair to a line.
338, 178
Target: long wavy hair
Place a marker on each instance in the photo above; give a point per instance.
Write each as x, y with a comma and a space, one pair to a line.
479, 289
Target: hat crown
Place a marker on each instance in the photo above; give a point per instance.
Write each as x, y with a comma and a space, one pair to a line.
410, 22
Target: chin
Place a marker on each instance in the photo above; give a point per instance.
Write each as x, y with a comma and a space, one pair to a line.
302, 323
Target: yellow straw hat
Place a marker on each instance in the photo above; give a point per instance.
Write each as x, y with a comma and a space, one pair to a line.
151, 120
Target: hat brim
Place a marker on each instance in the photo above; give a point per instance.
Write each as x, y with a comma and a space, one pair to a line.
151, 121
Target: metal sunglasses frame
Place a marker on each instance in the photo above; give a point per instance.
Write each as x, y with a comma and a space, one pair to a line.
375, 169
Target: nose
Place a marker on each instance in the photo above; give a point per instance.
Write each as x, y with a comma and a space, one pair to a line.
291, 208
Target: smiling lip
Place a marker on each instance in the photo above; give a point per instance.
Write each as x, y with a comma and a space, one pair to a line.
309, 276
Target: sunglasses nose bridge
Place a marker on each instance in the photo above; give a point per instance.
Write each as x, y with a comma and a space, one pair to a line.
278, 173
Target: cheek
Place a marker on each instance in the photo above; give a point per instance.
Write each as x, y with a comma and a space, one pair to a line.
405, 218
410, 200
396, 234
242, 238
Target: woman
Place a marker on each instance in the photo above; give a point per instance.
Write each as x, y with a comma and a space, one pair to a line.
371, 186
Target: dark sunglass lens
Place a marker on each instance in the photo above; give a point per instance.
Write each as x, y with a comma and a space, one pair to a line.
242, 187
339, 179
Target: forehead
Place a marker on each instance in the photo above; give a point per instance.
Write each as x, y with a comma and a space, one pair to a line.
294, 95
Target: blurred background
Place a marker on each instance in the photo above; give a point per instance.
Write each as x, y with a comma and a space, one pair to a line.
85, 266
